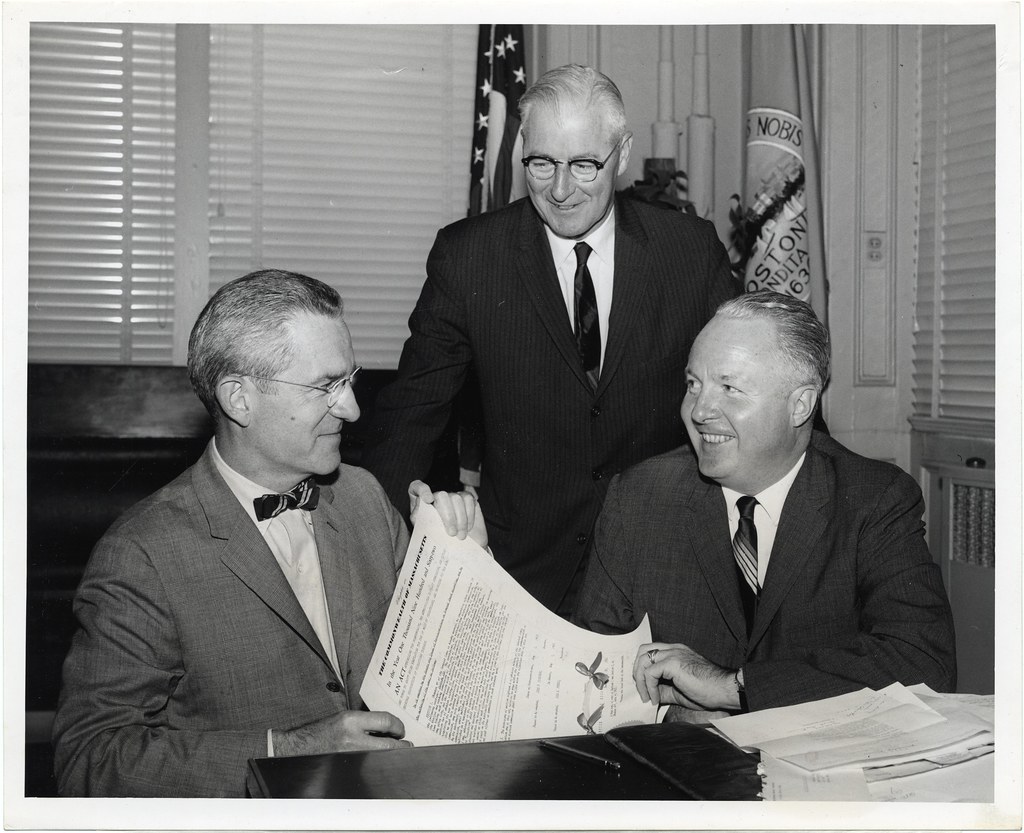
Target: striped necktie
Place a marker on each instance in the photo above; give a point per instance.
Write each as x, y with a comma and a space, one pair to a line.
744, 547
744, 542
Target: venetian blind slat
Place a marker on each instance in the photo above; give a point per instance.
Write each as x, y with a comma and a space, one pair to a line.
331, 154
954, 343
101, 178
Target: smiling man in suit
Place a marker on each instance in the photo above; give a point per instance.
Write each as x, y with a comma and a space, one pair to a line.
232, 614
574, 310
776, 565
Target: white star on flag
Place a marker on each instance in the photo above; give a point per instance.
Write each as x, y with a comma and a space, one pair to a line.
497, 141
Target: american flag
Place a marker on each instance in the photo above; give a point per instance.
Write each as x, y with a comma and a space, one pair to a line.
496, 177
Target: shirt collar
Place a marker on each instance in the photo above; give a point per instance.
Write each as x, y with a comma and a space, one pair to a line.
241, 486
601, 239
771, 499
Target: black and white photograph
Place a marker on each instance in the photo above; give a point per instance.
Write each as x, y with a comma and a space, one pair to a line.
593, 421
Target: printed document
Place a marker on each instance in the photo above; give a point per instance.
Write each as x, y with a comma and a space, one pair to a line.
860, 728
467, 655
897, 744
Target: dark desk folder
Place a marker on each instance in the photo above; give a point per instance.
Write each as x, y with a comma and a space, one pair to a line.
514, 769
703, 765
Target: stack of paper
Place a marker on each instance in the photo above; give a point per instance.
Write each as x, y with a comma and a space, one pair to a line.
897, 744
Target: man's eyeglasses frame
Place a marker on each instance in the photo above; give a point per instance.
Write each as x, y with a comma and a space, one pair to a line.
333, 390
571, 163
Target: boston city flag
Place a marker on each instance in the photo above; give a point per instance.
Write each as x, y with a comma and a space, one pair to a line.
778, 239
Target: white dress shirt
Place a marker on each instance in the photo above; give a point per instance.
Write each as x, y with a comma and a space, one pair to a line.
291, 540
766, 515
601, 264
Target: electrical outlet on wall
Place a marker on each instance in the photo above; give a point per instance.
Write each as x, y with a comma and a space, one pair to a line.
874, 248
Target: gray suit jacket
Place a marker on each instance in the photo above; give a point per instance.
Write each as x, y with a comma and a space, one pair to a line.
851, 598
492, 305
191, 643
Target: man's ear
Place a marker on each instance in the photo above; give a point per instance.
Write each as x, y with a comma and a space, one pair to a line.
627, 143
802, 403
234, 395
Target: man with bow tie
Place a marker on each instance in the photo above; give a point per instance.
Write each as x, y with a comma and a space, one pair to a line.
232, 614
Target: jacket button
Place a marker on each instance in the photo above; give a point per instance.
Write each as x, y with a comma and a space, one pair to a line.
595, 412
597, 474
334, 686
581, 538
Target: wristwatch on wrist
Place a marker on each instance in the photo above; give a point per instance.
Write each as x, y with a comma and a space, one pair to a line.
741, 689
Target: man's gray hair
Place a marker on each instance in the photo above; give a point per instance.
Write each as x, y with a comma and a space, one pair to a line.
571, 88
802, 338
246, 328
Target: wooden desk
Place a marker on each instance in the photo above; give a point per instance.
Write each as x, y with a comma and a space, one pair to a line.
518, 769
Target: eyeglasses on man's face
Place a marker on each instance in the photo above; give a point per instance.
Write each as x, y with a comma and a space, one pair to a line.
332, 390
582, 170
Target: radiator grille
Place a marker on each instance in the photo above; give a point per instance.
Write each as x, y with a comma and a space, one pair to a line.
974, 525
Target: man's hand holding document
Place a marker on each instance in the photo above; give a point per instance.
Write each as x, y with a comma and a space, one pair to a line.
467, 655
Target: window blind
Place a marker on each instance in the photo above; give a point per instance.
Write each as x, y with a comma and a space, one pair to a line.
954, 344
339, 151
101, 192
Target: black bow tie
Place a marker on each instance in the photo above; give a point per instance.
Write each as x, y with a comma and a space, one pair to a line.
304, 496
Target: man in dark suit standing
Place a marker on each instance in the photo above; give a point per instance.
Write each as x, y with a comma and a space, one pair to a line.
222, 618
776, 565
576, 311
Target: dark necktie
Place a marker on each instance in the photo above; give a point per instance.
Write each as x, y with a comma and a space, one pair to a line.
744, 547
304, 496
585, 325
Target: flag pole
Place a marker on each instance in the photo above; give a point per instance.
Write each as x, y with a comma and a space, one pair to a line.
700, 128
665, 132
660, 168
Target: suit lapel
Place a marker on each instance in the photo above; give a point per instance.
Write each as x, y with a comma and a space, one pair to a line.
536, 270
246, 554
708, 530
803, 523
632, 277
330, 522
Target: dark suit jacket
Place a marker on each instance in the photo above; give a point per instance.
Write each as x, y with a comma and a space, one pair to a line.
492, 303
191, 643
851, 598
